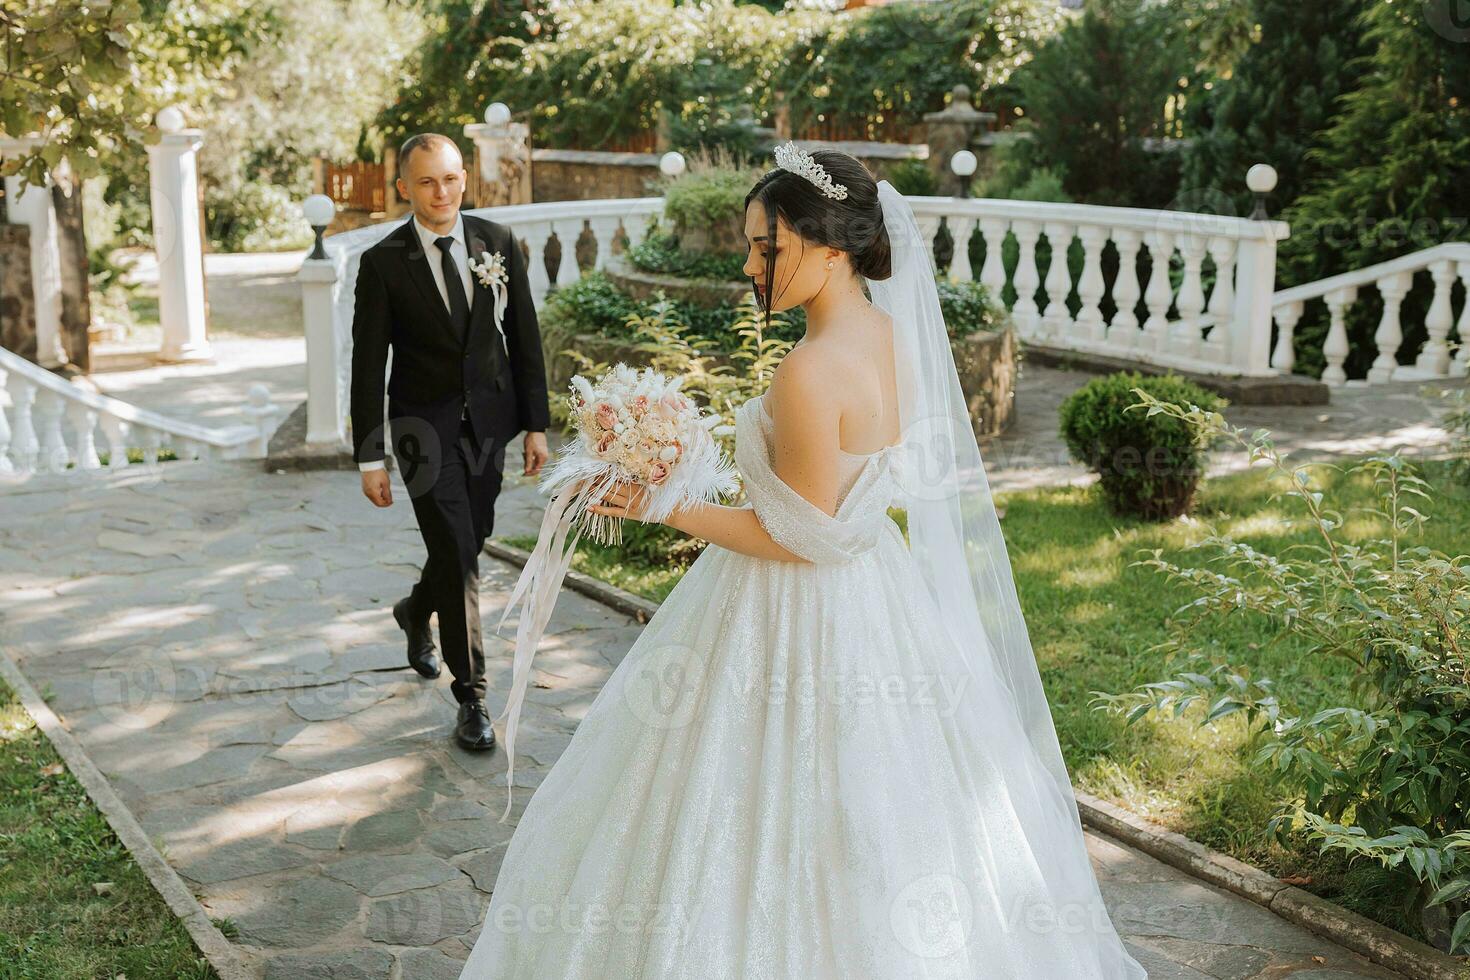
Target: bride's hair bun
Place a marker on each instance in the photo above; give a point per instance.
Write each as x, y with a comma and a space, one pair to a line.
853, 224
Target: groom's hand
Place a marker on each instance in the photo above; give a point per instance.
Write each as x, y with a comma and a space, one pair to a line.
375, 487
536, 452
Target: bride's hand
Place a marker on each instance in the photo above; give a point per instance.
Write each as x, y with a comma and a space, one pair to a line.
629, 500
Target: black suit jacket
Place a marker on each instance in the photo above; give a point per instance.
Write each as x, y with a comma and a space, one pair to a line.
434, 376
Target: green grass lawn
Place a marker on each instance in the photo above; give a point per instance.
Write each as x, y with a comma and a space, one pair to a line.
1093, 619
54, 848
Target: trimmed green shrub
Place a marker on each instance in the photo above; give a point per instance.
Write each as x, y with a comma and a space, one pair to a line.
1148, 464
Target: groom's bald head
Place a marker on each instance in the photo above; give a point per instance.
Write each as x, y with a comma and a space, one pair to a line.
424, 141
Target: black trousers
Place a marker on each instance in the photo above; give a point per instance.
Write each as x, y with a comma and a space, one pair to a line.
453, 492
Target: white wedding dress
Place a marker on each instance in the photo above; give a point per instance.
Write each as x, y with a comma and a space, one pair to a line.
789, 778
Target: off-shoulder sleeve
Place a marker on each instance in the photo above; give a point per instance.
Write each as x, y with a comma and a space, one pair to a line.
792, 521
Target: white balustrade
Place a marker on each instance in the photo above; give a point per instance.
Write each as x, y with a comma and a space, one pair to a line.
1393, 280
1227, 332
1228, 329
50, 426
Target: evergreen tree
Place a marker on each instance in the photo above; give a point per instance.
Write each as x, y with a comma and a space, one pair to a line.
1391, 174
1097, 92
1271, 105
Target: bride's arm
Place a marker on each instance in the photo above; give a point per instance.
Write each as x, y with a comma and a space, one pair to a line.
732, 528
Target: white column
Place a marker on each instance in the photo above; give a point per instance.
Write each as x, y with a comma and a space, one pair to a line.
174, 185
34, 208
318, 278
1255, 288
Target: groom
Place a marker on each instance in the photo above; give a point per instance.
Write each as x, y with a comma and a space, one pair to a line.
462, 386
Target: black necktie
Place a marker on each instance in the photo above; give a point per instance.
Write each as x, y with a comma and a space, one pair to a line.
459, 307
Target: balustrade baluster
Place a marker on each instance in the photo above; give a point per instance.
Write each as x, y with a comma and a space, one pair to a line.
1222, 300
1090, 287
1025, 313
1434, 357
567, 233
1123, 332
1335, 347
1056, 321
1283, 358
1185, 337
1389, 335
84, 427
605, 230
1160, 292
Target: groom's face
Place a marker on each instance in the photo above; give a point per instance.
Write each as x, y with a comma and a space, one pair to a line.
433, 181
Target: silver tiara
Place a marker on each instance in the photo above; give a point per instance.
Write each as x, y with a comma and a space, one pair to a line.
791, 157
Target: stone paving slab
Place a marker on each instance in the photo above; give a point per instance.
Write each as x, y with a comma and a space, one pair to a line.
219, 640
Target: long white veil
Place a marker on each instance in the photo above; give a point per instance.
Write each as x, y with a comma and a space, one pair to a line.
956, 542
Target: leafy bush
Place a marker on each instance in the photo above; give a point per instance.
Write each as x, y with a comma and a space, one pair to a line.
1387, 778
913, 178
878, 69
712, 188
259, 217
1456, 422
1148, 466
968, 307
594, 304
660, 253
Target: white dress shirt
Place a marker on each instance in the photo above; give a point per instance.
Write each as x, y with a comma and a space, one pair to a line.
461, 255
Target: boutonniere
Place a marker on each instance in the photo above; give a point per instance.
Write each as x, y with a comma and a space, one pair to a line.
489, 269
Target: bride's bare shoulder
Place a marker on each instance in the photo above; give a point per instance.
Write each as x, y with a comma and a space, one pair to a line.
805, 383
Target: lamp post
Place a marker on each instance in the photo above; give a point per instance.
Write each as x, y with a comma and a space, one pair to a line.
1261, 179
318, 278
963, 165
319, 210
672, 164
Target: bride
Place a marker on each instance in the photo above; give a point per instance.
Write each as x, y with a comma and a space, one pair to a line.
828, 755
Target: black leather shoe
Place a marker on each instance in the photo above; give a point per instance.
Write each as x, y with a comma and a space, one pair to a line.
421, 655
473, 730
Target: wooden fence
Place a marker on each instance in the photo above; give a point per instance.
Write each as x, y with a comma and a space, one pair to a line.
358, 186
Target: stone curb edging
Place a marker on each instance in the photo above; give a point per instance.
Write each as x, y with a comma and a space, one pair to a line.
1380, 944
217, 950
1384, 946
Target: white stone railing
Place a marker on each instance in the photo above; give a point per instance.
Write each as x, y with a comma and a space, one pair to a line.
1205, 302
1393, 279
49, 425
1226, 332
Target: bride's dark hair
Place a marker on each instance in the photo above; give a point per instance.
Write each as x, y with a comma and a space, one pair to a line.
853, 224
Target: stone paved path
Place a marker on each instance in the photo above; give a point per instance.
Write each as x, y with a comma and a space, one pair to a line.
220, 642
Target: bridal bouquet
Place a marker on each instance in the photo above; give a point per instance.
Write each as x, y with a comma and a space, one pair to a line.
632, 426
638, 427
